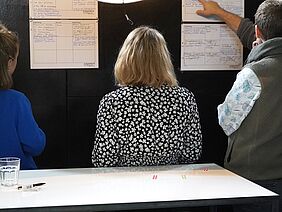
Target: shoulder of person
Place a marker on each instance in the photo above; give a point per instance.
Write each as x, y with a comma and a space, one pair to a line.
15, 99
183, 91
15, 95
111, 97
120, 92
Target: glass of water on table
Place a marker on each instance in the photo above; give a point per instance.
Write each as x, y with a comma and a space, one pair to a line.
9, 171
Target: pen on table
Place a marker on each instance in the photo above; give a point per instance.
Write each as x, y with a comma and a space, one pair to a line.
31, 186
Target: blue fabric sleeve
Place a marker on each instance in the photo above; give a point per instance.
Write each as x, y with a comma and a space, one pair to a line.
32, 138
239, 101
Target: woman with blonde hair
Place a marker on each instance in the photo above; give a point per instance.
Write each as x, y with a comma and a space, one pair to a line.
149, 120
20, 135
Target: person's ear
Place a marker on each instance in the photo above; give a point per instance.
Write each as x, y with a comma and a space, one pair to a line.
10, 61
258, 32
10, 66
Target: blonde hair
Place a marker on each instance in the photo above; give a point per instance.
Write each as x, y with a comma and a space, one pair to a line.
144, 60
9, 45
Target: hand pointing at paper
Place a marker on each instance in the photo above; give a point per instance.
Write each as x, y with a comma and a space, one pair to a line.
209, 8
212, 8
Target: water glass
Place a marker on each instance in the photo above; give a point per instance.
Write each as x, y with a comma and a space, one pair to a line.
9, 171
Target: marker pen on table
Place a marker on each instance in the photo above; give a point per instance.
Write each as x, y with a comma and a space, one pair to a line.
30, 186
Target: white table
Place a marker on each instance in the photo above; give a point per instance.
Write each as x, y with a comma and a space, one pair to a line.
120, 188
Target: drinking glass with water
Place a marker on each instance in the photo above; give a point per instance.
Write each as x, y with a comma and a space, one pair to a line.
9, 171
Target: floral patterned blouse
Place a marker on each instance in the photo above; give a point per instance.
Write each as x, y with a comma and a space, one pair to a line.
239, 101
144, 126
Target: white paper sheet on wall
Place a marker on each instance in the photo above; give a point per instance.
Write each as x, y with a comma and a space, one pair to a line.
59, 9
63, 44
63, 34
210, 47
189, 8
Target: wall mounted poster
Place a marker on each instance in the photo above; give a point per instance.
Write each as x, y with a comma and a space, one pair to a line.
63, 34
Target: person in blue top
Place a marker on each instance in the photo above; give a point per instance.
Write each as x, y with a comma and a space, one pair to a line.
20, 135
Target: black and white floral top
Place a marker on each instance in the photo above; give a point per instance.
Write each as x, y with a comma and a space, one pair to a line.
143, 126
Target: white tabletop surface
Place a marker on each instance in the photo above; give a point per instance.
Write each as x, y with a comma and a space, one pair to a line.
94, 186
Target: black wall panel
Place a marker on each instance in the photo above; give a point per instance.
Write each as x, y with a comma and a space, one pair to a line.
81, 129
65, 102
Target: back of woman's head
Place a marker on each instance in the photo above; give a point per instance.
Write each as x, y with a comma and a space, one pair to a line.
144, 60
9, 45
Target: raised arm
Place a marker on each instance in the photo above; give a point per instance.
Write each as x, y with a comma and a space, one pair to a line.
212, 8
244, 28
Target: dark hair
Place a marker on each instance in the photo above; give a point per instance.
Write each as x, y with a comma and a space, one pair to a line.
268, 18
9, 46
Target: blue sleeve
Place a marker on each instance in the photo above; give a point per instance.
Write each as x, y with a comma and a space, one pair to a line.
32, 138
239, 101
